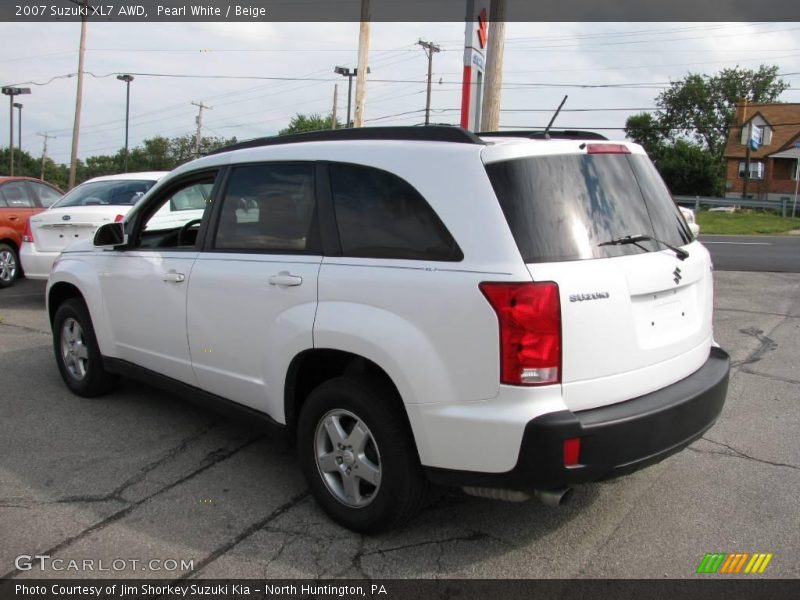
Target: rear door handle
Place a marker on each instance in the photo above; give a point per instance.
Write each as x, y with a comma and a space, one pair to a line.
285, 278
13, 218
173, 277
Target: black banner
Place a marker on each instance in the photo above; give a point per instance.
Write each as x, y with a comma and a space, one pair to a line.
716, 588
395, 10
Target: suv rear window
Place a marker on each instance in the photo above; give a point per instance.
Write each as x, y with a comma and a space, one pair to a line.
562, 207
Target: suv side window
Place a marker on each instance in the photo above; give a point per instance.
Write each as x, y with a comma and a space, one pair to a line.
17, 195
47, 195
173, 223
379, 215
269, 208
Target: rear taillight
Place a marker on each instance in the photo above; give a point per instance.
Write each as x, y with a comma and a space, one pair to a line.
27, 235
529, 315
119, 218
607, 149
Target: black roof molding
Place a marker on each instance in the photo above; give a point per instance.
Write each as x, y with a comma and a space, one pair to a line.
431, 133
566, 134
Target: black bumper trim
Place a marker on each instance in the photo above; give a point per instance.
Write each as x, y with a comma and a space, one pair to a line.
615, 440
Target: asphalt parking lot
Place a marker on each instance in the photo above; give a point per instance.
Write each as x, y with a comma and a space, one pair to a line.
140, 475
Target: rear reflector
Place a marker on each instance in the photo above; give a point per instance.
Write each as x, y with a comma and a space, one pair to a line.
119, 218
529, 315
572, 452
27, 235
607, 149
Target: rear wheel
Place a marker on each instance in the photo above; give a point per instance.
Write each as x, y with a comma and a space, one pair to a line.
77, 353
9, 265
358, 455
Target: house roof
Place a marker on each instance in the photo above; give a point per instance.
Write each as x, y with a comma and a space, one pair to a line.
784, 120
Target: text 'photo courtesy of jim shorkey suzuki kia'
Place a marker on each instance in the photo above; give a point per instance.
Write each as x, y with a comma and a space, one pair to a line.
509, 314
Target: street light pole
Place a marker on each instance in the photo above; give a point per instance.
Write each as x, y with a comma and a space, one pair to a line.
349, 73
127, 79
11, 92
18, 106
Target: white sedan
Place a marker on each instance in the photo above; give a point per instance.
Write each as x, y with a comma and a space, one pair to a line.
78, 215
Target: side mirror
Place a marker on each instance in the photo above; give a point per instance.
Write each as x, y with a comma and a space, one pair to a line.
110, 235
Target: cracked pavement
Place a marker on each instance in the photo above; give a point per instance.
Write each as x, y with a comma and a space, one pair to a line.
143, 475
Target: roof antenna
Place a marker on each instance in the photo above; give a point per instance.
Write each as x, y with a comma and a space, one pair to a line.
553, 120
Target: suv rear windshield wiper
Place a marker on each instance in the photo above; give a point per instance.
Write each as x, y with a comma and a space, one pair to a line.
635, 239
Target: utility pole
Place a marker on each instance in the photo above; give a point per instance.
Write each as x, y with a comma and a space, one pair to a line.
333, 112
430, 49
490, 119
199, 121
363, 57
46, 137
76, 127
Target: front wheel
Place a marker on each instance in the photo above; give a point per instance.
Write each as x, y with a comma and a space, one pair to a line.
9, 265
77, 353
358, 455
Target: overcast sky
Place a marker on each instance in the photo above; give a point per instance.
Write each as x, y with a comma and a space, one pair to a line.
539, 58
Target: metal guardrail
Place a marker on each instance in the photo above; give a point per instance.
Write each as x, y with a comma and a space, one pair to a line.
784, 204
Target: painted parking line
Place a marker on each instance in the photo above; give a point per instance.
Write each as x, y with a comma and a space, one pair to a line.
740, 243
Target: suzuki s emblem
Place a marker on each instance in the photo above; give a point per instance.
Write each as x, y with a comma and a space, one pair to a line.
677, 275
66, 218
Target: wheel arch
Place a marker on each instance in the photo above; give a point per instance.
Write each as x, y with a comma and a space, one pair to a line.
59, 293
312, 367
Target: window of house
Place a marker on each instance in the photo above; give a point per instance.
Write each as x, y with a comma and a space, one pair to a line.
380, 215
757, 170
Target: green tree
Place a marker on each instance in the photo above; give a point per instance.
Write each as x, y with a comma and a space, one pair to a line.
644, 129
686, 136
703, 107
306, 123
689, 169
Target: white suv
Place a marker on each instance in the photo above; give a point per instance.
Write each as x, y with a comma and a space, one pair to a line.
413, 305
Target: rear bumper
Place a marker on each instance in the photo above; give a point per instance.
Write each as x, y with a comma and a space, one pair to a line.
37, 265
615, 440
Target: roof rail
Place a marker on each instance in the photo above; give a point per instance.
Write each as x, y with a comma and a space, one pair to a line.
430, 133
566, 134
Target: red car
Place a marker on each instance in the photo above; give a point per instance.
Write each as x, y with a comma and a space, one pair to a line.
20, 197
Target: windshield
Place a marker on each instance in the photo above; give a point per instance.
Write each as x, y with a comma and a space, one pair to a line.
105, 193
562, 207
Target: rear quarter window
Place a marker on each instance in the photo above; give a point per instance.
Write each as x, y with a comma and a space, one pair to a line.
380, 215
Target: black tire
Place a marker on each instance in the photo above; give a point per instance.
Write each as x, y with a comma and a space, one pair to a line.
402, 484
10, 269
84, 374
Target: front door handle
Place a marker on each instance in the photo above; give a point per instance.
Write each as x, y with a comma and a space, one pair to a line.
173, 277
285, 278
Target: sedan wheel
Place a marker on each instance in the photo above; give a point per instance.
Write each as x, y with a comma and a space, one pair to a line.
9, 265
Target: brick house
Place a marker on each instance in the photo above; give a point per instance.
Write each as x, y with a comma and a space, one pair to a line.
773, 166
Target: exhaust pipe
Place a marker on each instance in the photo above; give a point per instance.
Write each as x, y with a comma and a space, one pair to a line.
497, 494
554, 498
